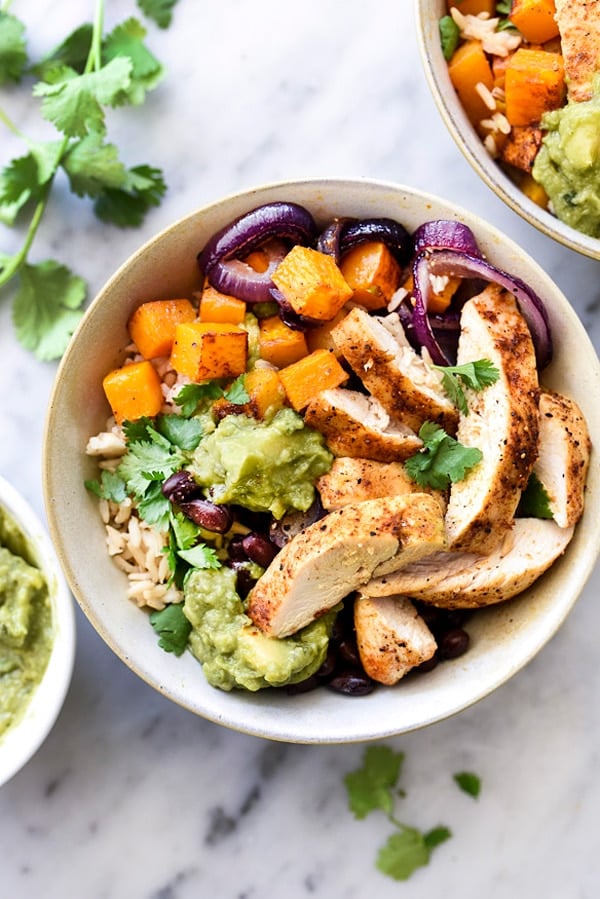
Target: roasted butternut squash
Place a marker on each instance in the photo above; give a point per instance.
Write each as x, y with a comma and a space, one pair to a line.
469, 67
312, 283
534, 84
372, 272
320, 338
152, 325
279, 344
133, 391
206, 350
265, 390
302, 380
535, 19
220, 307
473, 7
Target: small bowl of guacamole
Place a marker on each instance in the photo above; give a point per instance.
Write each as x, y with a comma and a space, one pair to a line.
37, 633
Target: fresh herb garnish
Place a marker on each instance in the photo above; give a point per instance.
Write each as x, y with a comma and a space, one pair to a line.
172, 627
110, 487
200, 556
191, 397
449, 36
374, 786
468, 782
534, 502
86, 74
475, 375
442, 460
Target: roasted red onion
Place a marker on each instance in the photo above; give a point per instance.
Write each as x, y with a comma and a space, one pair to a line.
343, 234
444, 234
220, 259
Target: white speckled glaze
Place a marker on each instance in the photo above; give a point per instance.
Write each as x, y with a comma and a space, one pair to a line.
132, 796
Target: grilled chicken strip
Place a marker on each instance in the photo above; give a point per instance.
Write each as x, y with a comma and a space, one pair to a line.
378, 352
351, 480
340, 552
354, 424
467, 580
392, 637
579, 25
502, 421
564, 456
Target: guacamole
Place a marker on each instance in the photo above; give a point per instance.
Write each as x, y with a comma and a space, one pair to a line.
233, 652
263, 466
568, 163
25, 624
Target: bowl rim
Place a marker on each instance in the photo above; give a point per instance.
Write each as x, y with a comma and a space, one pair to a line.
225, 711
473, 150
22, 740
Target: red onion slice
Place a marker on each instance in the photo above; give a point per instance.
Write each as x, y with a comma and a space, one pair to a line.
445, 234
464, 265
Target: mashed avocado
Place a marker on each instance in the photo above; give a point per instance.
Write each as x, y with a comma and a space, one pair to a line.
232, 651
568, 163
264, 466
25, 624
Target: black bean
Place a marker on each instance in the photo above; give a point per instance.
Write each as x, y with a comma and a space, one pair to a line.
235, 549
180, 487
329, 665
348, 651
207, 515
453, 643
352, 683
244, 581
259, 549
429, 665
305, 686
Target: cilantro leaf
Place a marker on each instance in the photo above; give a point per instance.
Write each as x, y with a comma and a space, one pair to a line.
172, 627
74, 103
160, 11
200, 556
477, 375
154, 507
185, 433
436, 836
110, 486
442, 460
47, 308
191, 395
13, 53
468, 782
237, 393
449, 36
534, 502
370, 787
145, 462
23, 178
184, 531
403, 853
127, 205
71, 53
126, 40
92, 166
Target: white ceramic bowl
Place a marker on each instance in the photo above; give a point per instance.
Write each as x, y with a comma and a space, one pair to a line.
504, 638
428, 14
19, 743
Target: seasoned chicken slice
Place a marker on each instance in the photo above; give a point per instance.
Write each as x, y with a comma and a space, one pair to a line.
579, 25
564, 456
392, 637
466, 580
351, 480
378, 352
502, 421
354, 424
334, 556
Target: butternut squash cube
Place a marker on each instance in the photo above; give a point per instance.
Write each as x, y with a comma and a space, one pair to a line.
312, 283
279, 344
152, 325
265, 390
473, 7
220, 307
469, 67
133, 391
535, 19
206, 350
320, 338
372, 272
302, 380
534, 84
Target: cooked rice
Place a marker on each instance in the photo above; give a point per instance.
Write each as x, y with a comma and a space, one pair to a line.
483, 28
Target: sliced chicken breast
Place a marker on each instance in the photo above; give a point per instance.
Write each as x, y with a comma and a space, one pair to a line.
354, 424
378, 352
564, 456
351, 480
502, 421
337, 554
579, 25
392, 637
465, 580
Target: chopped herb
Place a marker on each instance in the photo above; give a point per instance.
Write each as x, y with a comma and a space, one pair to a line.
110, 487
449, 36
469, 783
160, 11
534, 502
192, 395
13, 53
172, 627
476, 375
186, 433
200, 556
237, 392
407, 850
442, 460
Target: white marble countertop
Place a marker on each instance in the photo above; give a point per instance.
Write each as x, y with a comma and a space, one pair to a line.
132, 797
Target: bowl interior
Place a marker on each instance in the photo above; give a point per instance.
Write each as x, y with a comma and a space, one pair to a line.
504, 638
22, 740
428, 14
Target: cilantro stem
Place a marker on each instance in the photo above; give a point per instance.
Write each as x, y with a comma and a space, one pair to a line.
11, 125
94, 60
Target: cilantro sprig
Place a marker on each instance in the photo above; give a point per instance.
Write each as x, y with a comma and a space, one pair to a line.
78, 81
442, 460
374, 786
476, 375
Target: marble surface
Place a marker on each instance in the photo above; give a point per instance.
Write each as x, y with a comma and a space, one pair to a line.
132, 797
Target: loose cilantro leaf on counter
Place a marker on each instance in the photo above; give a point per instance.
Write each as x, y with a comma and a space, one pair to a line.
534, 502
442, 460
46, 307
468, 782
13, 53
127, 205
408, 850
172, 627
160, 11
476, 375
